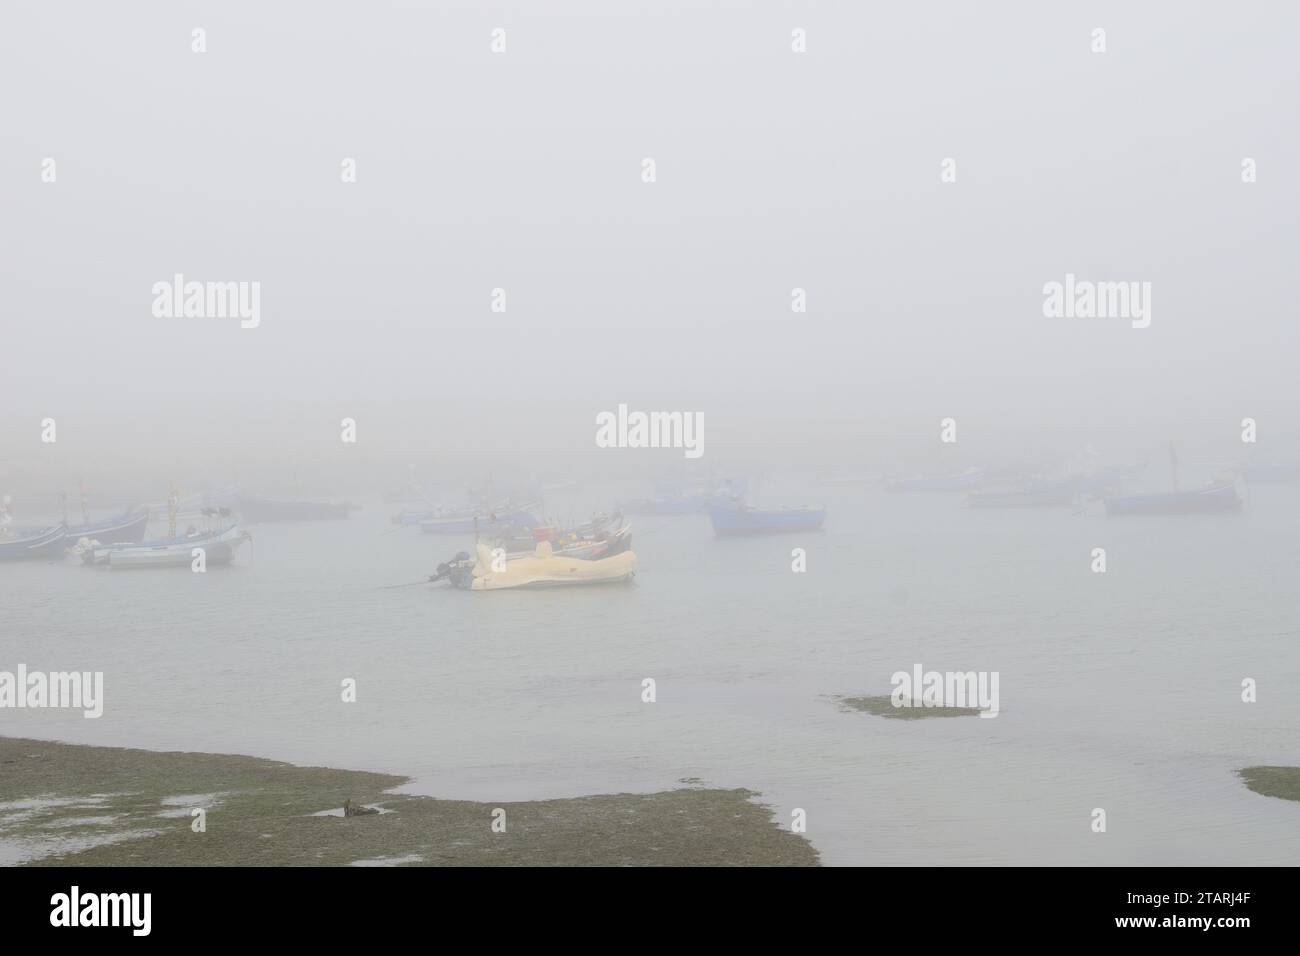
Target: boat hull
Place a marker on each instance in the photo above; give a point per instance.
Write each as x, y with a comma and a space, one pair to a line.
735, 522
485, 523
129, 527
543, 569
218, 549
31, 545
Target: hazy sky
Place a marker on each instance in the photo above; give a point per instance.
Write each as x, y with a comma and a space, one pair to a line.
523, 170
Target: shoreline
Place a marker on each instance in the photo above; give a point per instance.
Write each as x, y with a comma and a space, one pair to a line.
76, 804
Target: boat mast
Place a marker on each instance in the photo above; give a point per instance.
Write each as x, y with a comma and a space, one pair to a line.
173, 502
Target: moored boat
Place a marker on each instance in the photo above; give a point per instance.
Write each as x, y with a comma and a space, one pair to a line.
675, 499
601, 546
17, 544
219, 548
735, 518
541, 569
128, 526
483, 522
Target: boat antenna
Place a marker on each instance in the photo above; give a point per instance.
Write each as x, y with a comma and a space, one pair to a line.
81, 486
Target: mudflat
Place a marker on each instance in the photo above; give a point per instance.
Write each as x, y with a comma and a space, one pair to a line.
107, 806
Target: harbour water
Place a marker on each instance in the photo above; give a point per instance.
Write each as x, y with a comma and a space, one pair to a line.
1119, 691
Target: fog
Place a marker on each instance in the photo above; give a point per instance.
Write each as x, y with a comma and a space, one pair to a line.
523, 171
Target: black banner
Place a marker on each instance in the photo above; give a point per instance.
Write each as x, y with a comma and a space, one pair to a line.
332, 906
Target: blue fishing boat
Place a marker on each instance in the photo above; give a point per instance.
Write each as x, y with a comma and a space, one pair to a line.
128, 526
1215, 498
686, 499
735, 518
218, 541
20, 543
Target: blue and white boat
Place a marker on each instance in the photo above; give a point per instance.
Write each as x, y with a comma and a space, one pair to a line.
128, 526
22, 543
687, 499
219, 547
736, 518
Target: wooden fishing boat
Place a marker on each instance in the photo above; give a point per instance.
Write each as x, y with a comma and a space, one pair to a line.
17, 544
1214, 498
735, 518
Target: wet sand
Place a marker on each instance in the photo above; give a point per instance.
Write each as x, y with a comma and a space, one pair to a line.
105, 806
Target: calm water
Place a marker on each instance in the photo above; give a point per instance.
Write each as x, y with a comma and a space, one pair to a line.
1119, 691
